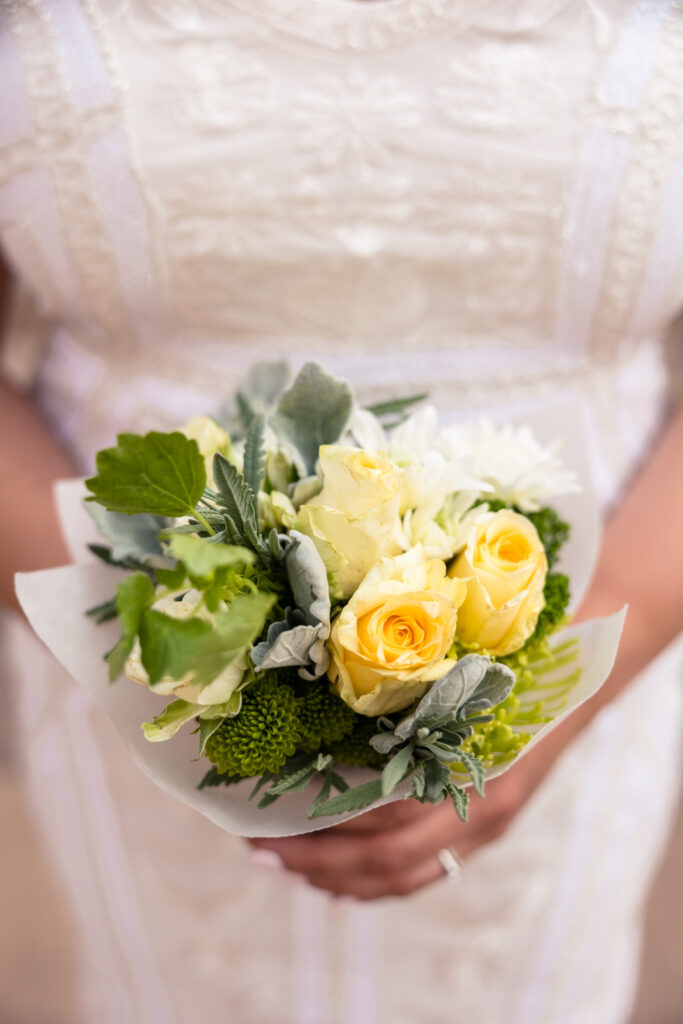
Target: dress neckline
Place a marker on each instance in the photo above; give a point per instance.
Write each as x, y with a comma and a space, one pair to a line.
363, 25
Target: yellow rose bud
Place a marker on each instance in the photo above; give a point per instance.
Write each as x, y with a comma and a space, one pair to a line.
354, 520
504, 567
211, 440
391, 639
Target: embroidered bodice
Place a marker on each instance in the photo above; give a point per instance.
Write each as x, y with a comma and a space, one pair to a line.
475, 199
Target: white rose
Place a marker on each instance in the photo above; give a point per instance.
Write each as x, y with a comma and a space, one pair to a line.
354, 521
218, 691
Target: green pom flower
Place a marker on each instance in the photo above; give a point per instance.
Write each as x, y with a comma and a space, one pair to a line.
262, 736
556, 595
355, 749
552, 530
324, 717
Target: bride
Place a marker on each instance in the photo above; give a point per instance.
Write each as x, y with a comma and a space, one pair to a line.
474, 198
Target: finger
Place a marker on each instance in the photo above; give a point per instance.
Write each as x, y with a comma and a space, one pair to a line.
381, 852
373, 887
329, 852
387, 816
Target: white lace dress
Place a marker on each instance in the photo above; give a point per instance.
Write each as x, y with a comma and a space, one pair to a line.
477, 198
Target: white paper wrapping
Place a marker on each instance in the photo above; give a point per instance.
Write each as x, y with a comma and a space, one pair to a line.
55, 602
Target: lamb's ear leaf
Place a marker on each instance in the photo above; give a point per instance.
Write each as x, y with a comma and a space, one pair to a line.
492, 690
313, 412
461, 799
396, 769
475, 768
131, 536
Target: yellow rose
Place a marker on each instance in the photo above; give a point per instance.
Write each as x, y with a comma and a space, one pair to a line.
390, 641
504, 566
211, 440
218, 691
354, 521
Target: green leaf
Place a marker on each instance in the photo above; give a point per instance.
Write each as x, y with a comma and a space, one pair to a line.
350, 800
437, 778
133, 596
314, 411
419, 779
215, 778
172, 578
207, 727
475, 768
254, 454
169, 646
167, 724
293, 783
338, 781
203, 558
233, 634
461, 800
322, 797
158, 474
106, 555
236, 499
103, 612
395, 405
396, 769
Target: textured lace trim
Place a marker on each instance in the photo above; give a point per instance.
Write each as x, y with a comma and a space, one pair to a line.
654, 130
366, 25
60, 145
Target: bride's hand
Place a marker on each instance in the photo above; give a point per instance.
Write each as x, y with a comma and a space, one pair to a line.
393, 851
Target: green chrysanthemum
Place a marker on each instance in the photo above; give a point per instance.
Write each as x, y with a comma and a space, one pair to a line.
262, 736
355, 749
556, 594
324, 717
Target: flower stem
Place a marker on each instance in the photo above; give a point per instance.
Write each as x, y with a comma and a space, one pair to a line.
200, 519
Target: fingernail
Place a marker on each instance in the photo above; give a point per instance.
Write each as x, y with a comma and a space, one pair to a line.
266, 859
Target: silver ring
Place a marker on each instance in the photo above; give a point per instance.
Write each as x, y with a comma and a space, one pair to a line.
451, 863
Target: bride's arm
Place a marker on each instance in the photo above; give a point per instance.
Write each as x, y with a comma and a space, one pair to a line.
392, 851
30, 461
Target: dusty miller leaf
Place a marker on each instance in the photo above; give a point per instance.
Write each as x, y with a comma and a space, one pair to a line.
396, 769
350, 800
313, 412
254, 454
236, 499
131, 536
461, 800
475, 769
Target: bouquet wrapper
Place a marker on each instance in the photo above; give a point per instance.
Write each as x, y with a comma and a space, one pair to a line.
55, 602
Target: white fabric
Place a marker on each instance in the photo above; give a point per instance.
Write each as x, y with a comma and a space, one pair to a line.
477, 198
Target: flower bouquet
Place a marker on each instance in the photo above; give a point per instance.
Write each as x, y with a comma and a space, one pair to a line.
325, 607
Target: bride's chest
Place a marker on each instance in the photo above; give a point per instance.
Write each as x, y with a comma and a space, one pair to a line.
402, 172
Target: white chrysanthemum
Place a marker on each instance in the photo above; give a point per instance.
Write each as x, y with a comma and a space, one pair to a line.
511, 460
